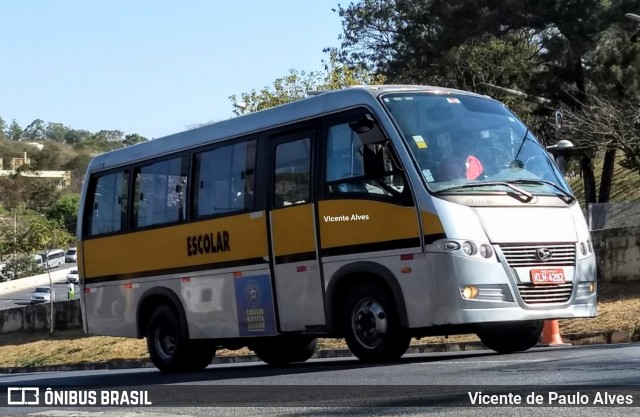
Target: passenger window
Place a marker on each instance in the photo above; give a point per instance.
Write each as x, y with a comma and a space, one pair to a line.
109, 204
292, 173
160, 190
360, 160
225, 179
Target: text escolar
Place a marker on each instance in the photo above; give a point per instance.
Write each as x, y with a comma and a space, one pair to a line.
208, 243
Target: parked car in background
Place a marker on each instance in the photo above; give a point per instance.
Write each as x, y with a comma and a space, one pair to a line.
42, 295
71, 256
73, 276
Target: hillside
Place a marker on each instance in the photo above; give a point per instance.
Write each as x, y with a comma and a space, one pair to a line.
625, 187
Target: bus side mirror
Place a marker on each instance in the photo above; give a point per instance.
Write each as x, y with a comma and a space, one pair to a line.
363, 125
368, 130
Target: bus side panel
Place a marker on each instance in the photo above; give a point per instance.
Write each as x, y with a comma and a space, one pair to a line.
417, 285
387, 235
206, 264
349, 225
110, 310
217, 304
296, 266
235, 240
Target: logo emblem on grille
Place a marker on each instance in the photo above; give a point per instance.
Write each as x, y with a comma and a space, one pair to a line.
544, 254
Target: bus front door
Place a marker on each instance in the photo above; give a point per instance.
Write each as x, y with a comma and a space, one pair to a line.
297, 276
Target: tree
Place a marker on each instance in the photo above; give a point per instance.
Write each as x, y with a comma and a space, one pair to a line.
20, 267
296, 85
65, 210
109, 136
132, 139
38, 234
578, 48
40, 195
48, 158
606, 123
56, 132
73, 136
26, 232
3, 129
77, 165
15, 131
35, 131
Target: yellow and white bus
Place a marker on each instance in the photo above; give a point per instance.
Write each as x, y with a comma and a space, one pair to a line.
373, 213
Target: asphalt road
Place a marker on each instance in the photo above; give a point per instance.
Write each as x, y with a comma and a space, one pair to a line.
23, 297
424, 384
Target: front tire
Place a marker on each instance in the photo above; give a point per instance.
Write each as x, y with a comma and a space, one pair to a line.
511, 337
372, 326
169, 350
285, 350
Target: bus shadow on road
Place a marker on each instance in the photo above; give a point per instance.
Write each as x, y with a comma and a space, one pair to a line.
237, 373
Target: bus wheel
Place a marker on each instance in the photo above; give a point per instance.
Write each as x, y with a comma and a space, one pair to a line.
169, 350
511, 337
372, 326
282, 351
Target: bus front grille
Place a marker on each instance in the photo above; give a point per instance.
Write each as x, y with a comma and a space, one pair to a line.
530, 255
545, 294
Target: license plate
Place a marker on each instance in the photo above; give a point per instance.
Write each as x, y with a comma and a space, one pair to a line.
547, 276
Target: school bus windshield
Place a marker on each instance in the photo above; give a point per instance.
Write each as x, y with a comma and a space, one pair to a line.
459, 139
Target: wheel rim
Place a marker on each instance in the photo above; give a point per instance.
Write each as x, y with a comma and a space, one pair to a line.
165, 342
369, 323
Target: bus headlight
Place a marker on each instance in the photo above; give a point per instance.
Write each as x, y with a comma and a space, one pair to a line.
583, 248
469, 248
485, 251
470, 292
589, 245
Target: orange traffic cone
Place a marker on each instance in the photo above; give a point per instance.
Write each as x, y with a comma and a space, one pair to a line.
551, 334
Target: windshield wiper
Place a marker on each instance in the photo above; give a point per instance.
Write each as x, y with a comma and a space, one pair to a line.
519, 190
569, 197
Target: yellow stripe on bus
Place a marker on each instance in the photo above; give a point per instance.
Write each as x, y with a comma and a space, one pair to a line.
431, 224
293, 230
353, 222
226, 239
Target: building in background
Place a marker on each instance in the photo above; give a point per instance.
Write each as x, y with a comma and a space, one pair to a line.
62, 179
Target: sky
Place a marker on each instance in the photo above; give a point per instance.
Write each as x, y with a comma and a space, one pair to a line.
151, 67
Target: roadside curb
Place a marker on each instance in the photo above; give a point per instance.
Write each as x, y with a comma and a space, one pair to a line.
575, 339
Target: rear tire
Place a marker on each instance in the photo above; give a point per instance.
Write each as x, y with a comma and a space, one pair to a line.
511, 337
169, 350
372, 326
285, 350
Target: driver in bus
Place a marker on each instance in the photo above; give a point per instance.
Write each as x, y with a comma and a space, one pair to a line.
460, 163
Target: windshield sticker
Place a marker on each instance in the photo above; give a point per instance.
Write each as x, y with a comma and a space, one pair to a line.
453, 100
427, 175
419, 140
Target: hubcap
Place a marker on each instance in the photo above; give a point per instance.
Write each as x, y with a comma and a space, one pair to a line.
165, 343
369, 323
